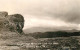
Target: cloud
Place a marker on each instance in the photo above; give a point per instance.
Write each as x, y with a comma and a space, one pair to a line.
34, 21
64, 11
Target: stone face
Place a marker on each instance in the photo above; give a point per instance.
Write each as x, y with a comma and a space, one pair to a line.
13, 22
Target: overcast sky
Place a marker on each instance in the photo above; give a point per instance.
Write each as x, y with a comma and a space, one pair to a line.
45, 13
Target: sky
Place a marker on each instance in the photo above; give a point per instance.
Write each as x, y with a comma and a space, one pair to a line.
45, 13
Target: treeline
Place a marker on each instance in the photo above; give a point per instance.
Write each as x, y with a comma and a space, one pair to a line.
54, 34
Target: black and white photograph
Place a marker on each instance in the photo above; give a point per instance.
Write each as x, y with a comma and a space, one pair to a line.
39, 24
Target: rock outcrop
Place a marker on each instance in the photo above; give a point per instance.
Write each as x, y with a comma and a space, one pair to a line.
13, 23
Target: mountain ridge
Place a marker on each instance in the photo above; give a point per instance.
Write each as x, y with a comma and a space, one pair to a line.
48, 29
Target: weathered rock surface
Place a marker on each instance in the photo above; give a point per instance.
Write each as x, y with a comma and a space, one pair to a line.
13, 22
17, 21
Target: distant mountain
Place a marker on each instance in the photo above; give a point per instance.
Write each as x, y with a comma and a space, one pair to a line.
39, 29
48, 29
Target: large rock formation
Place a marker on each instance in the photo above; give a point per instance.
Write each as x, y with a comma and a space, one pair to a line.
16, 22
13, 23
